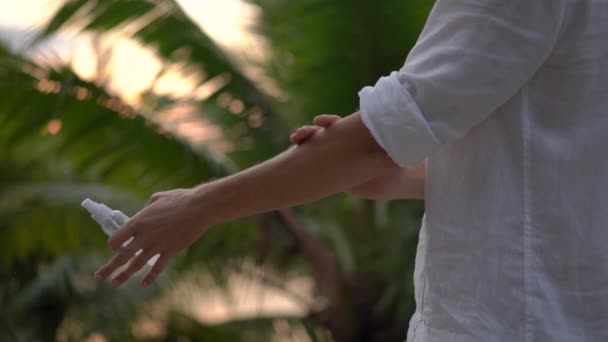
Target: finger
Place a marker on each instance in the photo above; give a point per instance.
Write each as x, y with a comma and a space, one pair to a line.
298, 140
135, 265
306, 130
158, 267
304, 133
325, 120
122, 235
119, 259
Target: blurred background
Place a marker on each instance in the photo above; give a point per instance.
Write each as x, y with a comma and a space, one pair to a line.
118, 99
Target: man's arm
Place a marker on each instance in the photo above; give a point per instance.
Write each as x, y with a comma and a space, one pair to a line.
334, 160
406, 183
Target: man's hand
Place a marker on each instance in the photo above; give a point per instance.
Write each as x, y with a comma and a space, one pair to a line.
400, 183
304, 133
167, 224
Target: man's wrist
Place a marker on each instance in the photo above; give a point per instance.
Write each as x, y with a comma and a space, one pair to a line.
206, 203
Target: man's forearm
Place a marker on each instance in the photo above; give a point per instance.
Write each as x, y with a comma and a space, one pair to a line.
413, 182
334, 160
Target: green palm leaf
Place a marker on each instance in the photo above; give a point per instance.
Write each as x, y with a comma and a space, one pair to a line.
97, 136
327, 50
163, 26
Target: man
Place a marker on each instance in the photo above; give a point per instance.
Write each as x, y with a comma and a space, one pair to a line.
507, 101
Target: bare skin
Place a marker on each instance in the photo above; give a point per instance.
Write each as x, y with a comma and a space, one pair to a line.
404, 183
343, 156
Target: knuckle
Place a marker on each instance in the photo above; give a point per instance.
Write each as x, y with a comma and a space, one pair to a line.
159, 195
115, 245
155, 197
113, 240
132, 227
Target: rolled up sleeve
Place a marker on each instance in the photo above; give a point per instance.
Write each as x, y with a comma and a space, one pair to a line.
471, 58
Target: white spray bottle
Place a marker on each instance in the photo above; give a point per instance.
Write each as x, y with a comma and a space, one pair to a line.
110, 221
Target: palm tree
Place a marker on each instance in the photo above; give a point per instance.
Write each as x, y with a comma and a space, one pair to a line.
67, 138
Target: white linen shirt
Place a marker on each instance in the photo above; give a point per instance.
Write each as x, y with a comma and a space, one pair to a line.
508, 100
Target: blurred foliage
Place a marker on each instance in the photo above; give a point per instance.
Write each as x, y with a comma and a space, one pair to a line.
64, 139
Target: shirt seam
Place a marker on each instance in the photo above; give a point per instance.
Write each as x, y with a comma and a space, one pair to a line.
422, 297
526, 191
526, 211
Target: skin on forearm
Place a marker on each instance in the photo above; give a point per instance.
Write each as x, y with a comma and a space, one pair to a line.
412, 182
333, 161
405, 183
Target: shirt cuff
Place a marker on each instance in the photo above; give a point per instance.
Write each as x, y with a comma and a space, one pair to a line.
394, 119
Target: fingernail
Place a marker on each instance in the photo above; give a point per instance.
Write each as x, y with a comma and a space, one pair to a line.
145, 283
97, 276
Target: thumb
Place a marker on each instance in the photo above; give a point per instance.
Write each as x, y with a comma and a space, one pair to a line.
325, 120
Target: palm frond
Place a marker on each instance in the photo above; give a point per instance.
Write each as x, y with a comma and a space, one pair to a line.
79, 128
254, 126
326, 50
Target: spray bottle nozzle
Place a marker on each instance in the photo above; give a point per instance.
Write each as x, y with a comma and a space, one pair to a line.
99, 212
